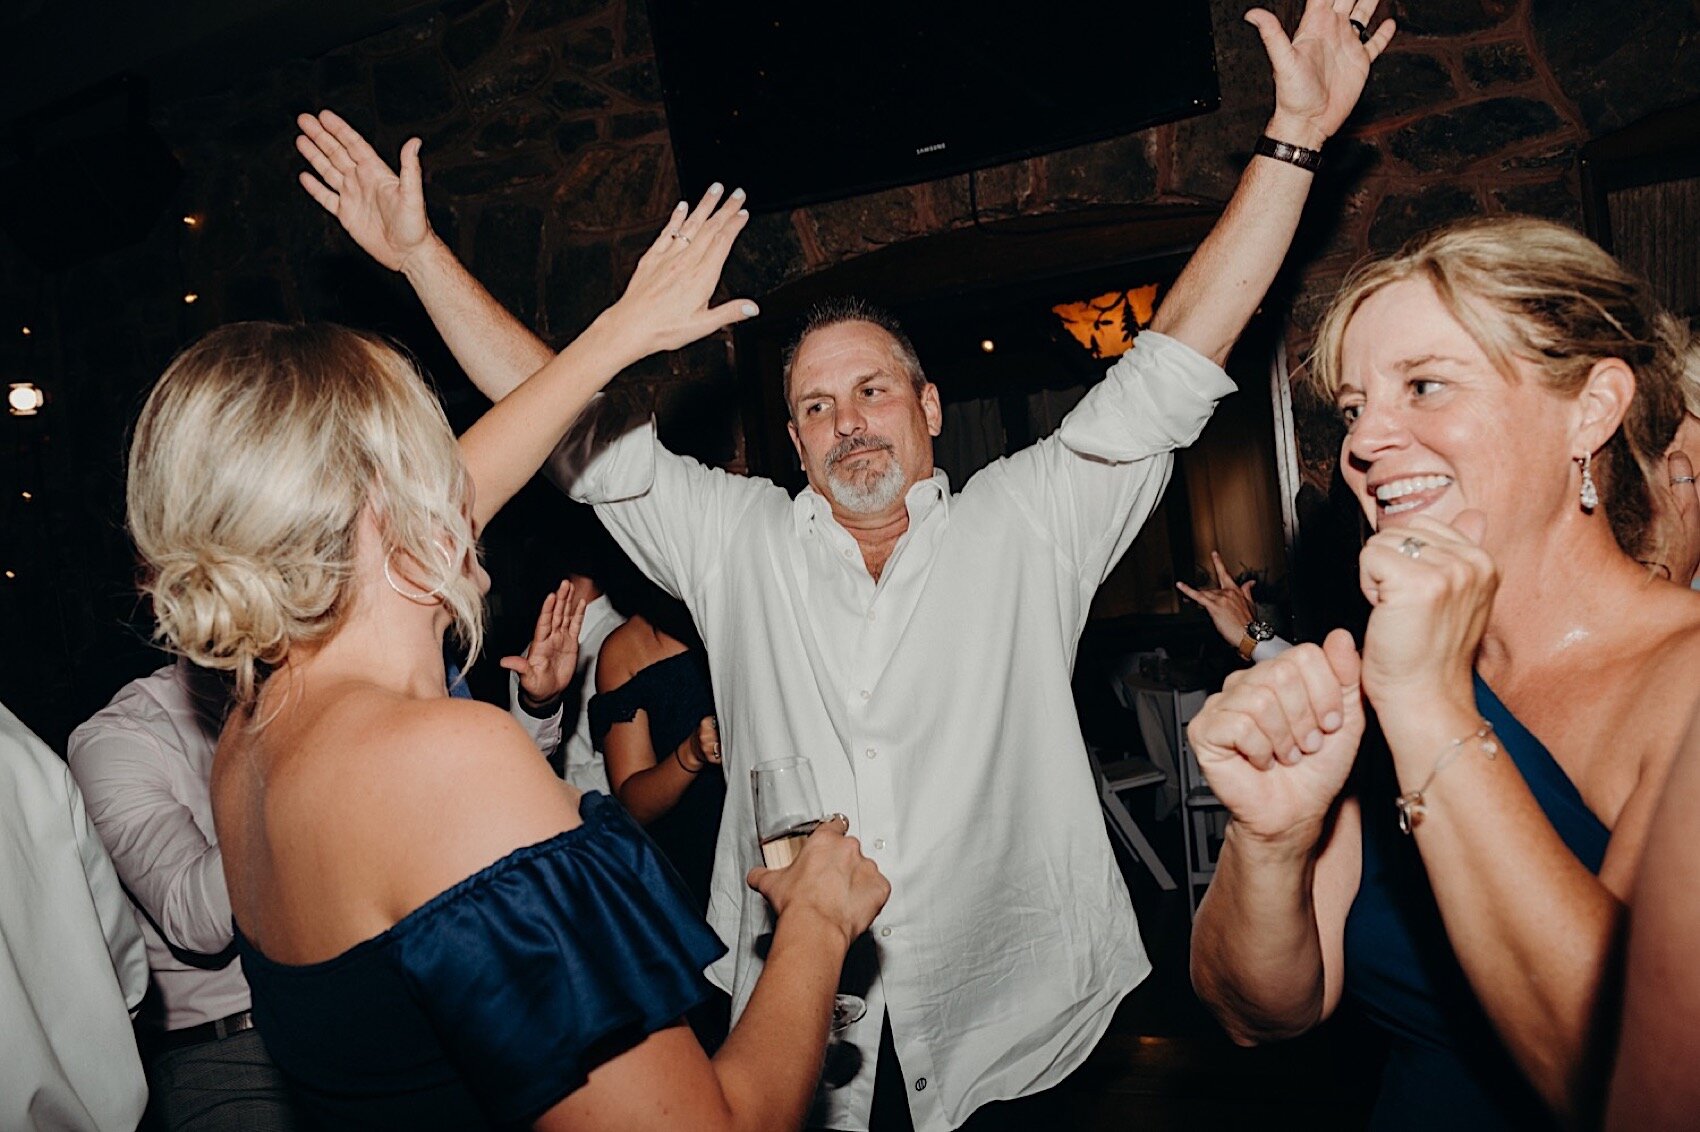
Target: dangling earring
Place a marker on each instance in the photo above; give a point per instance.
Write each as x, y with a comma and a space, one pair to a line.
419, 598
1590, 494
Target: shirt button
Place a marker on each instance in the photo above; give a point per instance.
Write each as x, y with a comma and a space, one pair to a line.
866, 694
885, 933
921, 1085
870, 615
879, 843
848, 552
871, 753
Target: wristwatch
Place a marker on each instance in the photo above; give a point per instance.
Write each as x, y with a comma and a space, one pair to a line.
1256, 632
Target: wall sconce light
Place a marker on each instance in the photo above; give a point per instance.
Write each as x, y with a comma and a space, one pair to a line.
191, 297
987, 345
1106, 324
24, 399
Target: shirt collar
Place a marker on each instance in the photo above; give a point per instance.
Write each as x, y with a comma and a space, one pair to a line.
921, 498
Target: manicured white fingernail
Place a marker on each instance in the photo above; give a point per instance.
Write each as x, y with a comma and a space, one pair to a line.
1332, 721
737, 194
744, 213
1312, 741
680, 207
716, 189
750, 310
1291, 757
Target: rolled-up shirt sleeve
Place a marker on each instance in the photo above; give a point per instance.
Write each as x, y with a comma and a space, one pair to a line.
1090, 485
671, 514
164, 859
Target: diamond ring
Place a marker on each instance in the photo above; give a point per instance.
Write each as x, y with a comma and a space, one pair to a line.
1412, 547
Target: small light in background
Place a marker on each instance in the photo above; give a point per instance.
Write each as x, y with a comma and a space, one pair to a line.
24, 399
987, 345
190, 297
26, 332
191, 221
28, 496
9, 574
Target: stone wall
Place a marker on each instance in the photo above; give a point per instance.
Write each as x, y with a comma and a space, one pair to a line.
549, 169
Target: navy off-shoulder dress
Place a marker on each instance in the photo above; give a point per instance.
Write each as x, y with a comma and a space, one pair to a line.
494, 1000
1446, 1068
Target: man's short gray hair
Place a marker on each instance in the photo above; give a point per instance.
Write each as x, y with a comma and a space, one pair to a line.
853, 308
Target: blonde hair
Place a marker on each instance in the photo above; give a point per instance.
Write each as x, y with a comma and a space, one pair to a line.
1538, 291
254, 457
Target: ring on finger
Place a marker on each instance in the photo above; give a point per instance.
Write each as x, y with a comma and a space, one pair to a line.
1412, 547
1361, 28
1674, 480
835, 816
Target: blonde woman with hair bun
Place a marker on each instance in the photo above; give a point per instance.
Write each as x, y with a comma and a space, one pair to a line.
439, 933
1509, 393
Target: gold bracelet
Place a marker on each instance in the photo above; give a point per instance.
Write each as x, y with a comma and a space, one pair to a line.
1414, 805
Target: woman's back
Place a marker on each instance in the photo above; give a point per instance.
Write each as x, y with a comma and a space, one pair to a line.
433, 938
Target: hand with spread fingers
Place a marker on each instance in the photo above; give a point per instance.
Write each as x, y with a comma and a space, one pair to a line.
382, 211
1430, 585
1321, 70
548, 665
667, 300
1229, 603
1278, 741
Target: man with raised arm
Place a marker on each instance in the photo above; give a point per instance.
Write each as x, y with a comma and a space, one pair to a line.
913, 642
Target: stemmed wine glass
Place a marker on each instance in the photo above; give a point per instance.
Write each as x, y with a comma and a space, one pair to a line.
787, 810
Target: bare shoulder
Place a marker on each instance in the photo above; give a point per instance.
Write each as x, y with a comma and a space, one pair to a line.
433, 791
622, 654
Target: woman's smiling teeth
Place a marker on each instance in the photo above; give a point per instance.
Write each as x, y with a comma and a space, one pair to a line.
1408, 494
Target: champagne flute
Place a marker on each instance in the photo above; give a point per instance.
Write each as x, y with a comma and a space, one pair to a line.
788, 810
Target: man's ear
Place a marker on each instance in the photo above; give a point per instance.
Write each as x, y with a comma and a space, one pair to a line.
1604, 402
796, 442
931, 409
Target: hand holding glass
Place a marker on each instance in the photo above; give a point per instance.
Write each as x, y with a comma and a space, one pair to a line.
788, 810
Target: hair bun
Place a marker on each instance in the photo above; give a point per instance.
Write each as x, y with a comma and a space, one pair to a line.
223, 611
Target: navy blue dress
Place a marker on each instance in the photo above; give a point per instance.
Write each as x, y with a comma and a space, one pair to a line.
675, 694
1446, 1068
494, 1000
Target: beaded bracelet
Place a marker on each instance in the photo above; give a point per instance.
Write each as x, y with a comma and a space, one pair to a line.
1413, 806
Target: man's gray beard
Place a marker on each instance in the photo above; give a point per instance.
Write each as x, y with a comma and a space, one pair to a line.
863, 496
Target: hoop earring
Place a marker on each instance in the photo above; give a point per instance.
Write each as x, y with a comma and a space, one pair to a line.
1590, 494
423, 598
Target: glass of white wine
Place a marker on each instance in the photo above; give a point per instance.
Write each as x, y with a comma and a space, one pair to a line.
787, 810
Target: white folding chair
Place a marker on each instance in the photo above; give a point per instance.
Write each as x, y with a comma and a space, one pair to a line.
1130, 774
1202, 813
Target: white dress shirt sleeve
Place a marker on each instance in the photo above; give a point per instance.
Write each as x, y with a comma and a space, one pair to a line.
1266, 650
672, 515
164, 859
545, 731
1089, 486
117, 919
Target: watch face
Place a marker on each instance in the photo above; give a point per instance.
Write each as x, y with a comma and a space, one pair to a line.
1259, 630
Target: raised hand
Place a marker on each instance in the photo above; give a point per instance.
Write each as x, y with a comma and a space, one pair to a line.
666, 303
1277, 742
552, 657
1321, 70
830, 878
1431, 585
1230, 605
1676, 512
383, 212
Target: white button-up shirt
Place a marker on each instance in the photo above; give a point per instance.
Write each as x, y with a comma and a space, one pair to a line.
935, 708
72, 966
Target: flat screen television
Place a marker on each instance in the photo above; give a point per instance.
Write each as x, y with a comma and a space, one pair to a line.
814, 100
